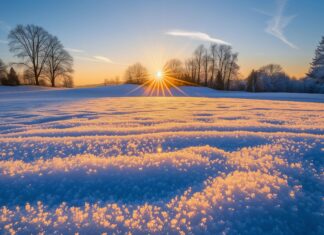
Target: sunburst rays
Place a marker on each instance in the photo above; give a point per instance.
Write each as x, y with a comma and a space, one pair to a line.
162, 83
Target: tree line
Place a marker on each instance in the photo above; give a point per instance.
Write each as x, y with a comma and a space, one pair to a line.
46, 62
273, 78
213, 67
42, 56
217, 67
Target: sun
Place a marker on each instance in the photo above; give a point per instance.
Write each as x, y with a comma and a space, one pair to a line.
159, 75
160, 83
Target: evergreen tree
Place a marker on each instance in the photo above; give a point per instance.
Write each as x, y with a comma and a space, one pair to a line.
3, 73
12, 78
317, 66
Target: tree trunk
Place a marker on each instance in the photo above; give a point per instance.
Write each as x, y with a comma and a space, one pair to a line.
36, 80
206, 75
212, 74
199, 70
36, 76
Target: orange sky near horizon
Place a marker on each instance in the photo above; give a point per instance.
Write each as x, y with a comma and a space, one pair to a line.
90, 73
153, 53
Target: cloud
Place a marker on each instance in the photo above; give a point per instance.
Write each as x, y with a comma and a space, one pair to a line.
74, 50
96, 59
83, 55
102, 58
196, 36
3, 41
86, 58
278, 23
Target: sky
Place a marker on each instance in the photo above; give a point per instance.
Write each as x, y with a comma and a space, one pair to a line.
105, 36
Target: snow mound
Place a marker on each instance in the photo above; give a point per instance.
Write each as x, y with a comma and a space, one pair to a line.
160, 165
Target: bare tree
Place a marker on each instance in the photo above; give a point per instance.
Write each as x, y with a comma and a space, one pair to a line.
106, 82
32, 44
213, 60
136, 74
224, 53
205, 63
218, 65
271, 69
67, 81
272, 77
252, 81
232, 69
190, 69
198, 58
59, 62
227, 65
28, 76
174, 68
117, 80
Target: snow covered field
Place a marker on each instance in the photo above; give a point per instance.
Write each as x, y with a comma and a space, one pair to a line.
110, 160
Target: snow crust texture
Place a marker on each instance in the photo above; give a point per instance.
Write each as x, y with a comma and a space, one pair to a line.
161, 165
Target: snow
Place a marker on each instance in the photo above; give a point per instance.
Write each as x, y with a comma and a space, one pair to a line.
108, 160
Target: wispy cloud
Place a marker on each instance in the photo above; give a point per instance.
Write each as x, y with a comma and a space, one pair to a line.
3, 41
103, 58
74, 50
85, 58
196, 35
278, 23
97, 59
83, 55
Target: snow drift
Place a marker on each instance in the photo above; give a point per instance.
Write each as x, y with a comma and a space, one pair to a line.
88, 161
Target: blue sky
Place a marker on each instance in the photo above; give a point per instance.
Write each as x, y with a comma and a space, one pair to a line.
105, 36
